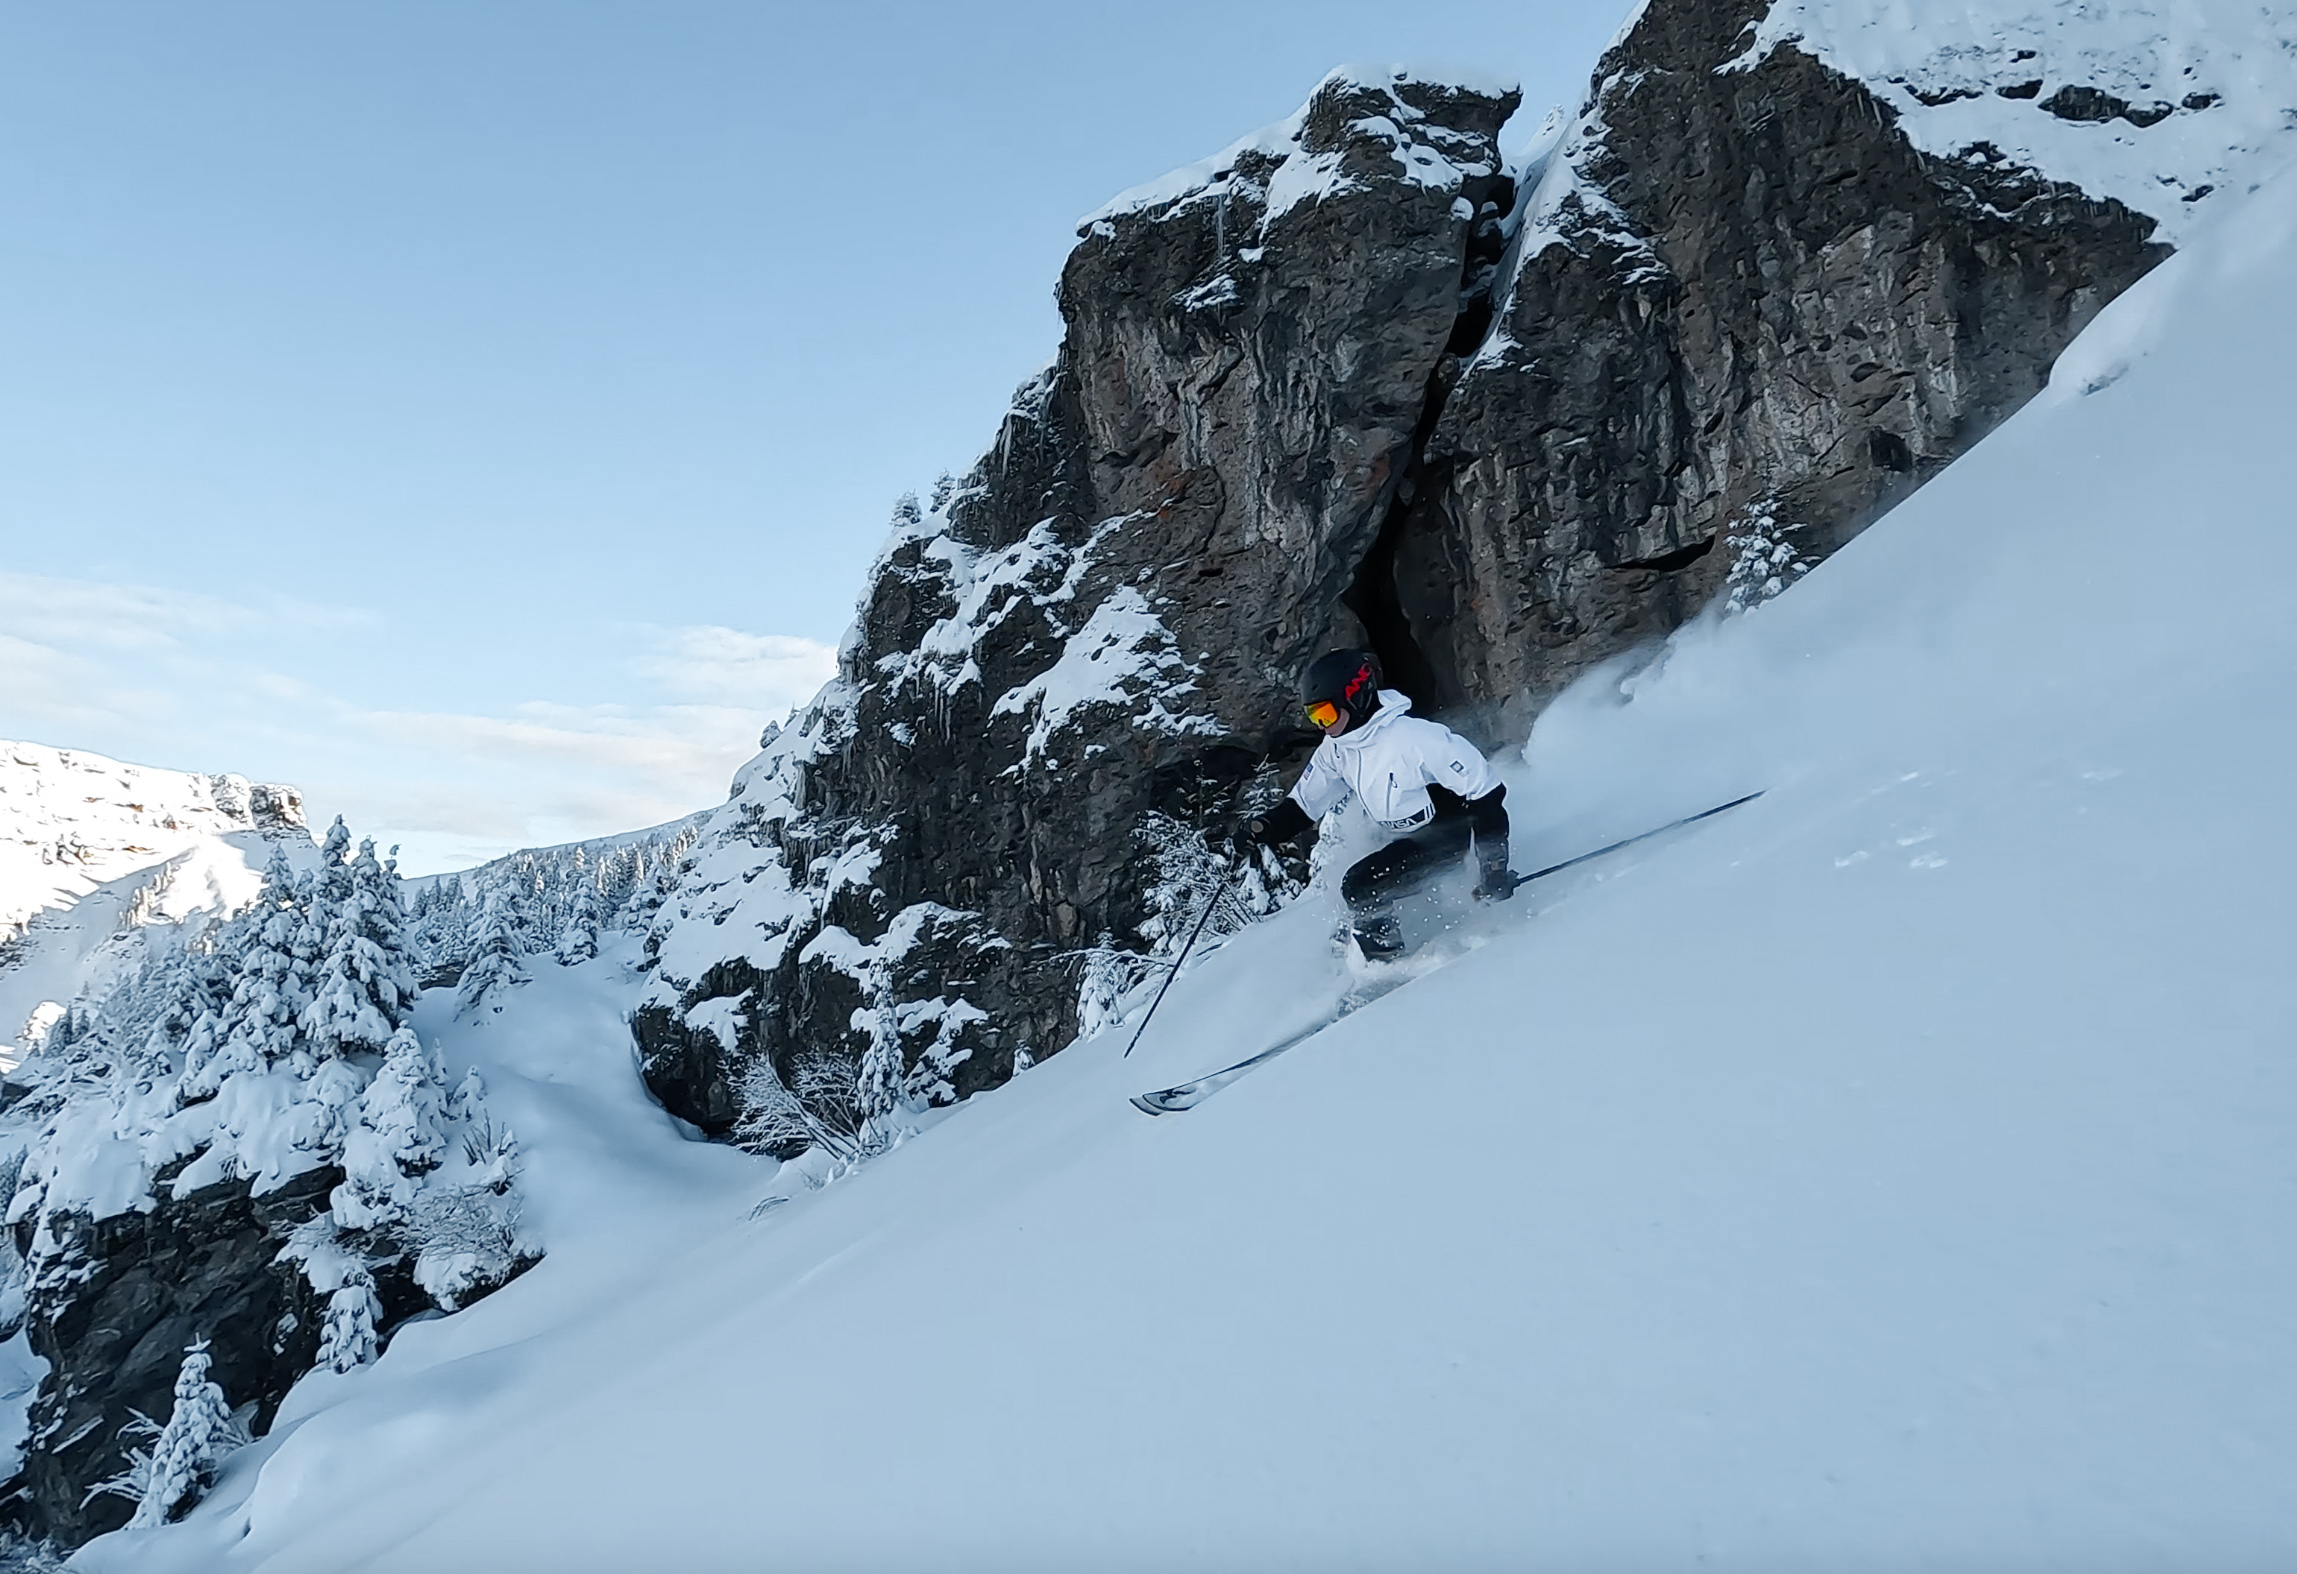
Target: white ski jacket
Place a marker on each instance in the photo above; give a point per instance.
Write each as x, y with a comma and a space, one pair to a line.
1388, 764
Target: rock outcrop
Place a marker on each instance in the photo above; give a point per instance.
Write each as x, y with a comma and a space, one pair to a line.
1101, 624
130, 1293
1743, 300
241, 1147
1351, 379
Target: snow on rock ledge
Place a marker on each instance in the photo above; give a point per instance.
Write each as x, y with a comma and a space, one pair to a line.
1356, 115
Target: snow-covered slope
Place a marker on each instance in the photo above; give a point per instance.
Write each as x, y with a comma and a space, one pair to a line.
2157, 103
93, 851
1893, 1171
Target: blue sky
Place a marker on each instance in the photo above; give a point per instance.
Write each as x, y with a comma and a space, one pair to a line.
482, 415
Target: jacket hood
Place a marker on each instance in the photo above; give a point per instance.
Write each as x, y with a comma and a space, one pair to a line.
1393, 703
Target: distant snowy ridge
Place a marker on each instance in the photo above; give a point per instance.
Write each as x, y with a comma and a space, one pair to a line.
94, 852
69, 810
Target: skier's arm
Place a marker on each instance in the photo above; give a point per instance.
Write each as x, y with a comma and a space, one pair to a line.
1457, 769
1317, 793
1489, 816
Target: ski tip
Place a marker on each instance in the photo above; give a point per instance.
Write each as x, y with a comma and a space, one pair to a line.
1146, 1103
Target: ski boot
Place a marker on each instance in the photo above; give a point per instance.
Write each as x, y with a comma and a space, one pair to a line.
1378, 937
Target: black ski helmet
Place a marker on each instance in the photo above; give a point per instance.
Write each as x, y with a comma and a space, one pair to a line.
1349, 679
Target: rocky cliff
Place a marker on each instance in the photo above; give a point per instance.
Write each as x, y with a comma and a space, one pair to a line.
1100, 625
1356, 378
1744, 303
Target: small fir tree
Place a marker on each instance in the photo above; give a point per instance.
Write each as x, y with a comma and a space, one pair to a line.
578, 941
494, 965
878, 1085
469, 1099
332, 882
365, 984
261, 1024
347, 1338
395, 1138
183, 1459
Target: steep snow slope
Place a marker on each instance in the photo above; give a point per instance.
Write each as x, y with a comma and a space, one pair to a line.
1895, 1170
93, 851
2160, 104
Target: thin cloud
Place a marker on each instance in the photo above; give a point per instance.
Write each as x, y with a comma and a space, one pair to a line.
121, 617
686, 743
773, 672
63, 688
194, 682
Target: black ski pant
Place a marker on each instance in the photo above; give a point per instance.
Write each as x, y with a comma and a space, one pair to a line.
1406, 864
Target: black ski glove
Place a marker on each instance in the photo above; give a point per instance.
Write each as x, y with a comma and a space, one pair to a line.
1269, 827
1498, 881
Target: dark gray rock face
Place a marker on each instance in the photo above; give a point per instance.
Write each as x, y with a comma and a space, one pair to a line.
1747, 297
1343, 383
1102, 622
113, 1303
113, 1309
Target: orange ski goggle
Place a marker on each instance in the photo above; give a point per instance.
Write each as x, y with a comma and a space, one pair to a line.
1323, 713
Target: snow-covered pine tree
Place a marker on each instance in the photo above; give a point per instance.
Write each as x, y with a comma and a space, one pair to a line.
260, 1025
878, 1083
1109, 974
347, 1338
578, 939
323, 895
364, 985
1764, 562
183, 988
183, 1458
393, 1138
202, 1043
494, 965
468, 1101
332, 882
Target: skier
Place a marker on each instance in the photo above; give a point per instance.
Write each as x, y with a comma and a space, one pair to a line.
1421, 782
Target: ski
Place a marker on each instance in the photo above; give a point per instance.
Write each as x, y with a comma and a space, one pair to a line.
1187, 1095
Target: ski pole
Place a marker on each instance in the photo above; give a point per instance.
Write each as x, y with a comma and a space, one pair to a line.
1644, 836
1202, 919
